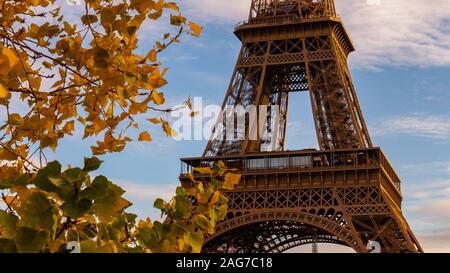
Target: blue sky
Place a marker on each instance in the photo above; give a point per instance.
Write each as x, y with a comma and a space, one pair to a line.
401, 70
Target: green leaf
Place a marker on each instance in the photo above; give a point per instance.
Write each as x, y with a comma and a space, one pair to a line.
97, 189
183, 207
8, 223
53, 169
73, 175
91, 164
7, 246
29, 240
23, 180
107, 207
6, 183
147, 236
159, 204
76, 208
63, 188
202, 222
37, 211
89, 232
195, 240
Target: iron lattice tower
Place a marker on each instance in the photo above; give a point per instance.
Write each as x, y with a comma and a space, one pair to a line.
347, 192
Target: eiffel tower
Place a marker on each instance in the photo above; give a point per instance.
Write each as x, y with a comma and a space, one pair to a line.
345, 193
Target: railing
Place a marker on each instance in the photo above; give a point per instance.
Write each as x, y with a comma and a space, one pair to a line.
289, 160
284, 19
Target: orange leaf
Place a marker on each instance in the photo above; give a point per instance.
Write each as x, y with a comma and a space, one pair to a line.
169, 131
203, 171
154, 120
215, 198
151, 55
145, 136
69, 127
8, 60
158, 98
195, 29
4, 93
231, 180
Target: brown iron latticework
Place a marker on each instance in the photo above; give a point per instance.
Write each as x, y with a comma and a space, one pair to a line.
347, 192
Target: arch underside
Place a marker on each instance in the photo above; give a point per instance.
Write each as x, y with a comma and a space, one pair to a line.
271, 236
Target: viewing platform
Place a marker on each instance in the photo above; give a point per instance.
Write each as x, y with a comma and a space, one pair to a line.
304, 169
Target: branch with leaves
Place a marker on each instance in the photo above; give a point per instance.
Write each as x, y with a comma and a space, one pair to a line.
88, 74
48, 209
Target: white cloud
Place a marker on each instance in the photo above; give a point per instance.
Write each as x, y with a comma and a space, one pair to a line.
144, 195
395, 32
218, 11
428, 205
147, 192
436, 241
428, 126
436, 167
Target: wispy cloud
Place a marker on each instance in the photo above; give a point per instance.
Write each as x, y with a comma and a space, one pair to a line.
395, 32
147, 192
436, 241
428, 203
436, 167
428, 126
144, 195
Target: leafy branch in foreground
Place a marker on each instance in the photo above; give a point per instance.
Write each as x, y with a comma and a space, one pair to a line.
58, 76
47, 210
87, 74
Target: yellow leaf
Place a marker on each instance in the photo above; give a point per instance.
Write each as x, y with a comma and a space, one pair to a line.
215, 198
154, 120
180, 245
231, 180
69, 127
8, 60
155, 15
189, 103
33, 2
36, 83
169, 131
145, 136
4, 93
47, 65
172, 6
203, 171
195, 29
158, 98
151, 55
122, 94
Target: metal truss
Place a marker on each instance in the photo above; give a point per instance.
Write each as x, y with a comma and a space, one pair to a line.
347, 193
270, 67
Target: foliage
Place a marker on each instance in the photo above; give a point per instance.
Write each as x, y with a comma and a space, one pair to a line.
58, 75
49, 209
89, 73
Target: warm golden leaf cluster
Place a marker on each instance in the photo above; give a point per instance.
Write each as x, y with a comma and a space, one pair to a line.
87, 75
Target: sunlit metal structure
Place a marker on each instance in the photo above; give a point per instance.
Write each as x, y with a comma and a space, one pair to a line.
345, 193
